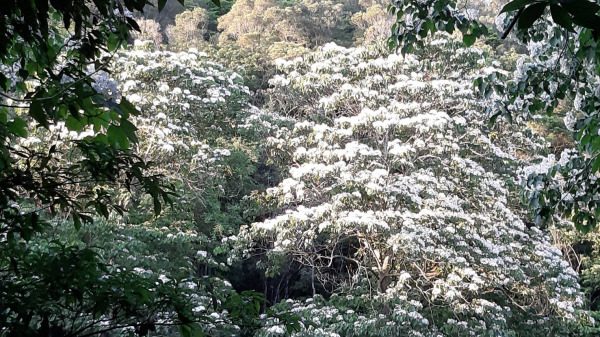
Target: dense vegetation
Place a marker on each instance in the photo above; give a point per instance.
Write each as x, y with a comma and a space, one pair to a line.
273, 168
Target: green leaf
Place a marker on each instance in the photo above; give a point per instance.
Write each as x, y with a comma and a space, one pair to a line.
129, 129
581, 7
36, 110
561, 17
18, 127
4, 82
101, 209
113, 42
157, 205
76, 221
392, 43
117, 137
3, 115
478, 84
127, 108
530, 15
161, 4
596, 165
493, 118
133, 24
515, 5
469, 39
73, 124
584, 13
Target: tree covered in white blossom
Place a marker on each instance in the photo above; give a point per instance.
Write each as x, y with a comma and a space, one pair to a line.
400, 202
334, 191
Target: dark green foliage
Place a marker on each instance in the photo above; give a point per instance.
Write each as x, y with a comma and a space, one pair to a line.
222, 207
63, 290
52, 56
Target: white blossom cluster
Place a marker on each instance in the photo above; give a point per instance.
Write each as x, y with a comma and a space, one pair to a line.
186, 102
190, 108
177, 85
396, 186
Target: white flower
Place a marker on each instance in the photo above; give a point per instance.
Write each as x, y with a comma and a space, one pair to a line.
163, 87
202, 253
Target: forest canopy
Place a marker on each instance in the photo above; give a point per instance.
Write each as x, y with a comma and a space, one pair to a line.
299, 168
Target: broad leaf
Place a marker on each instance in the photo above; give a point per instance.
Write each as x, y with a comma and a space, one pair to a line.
18, 127
36, 110
561, 17
515, 5
530, 15
469, 39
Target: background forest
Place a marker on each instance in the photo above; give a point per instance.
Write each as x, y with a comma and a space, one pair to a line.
274, 168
